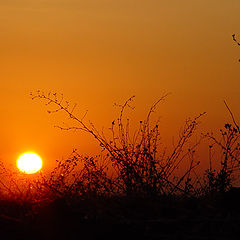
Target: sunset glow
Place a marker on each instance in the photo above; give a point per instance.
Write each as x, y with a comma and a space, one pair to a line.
29, 163
120, 118
98, 53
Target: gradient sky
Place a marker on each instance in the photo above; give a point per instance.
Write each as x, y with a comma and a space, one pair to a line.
101, 52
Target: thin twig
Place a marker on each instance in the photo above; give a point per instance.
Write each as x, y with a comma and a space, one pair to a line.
233, 119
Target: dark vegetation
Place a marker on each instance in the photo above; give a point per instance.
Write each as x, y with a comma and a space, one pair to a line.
135, 187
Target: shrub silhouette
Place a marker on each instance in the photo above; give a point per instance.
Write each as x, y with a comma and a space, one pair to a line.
133, 165
133, 179
139, 167
221, 180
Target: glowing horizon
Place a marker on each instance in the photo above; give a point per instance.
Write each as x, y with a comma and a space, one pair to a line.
98, 53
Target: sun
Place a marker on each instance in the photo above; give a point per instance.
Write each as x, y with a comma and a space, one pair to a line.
29, 163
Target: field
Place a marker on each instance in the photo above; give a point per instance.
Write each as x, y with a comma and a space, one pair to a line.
119, 218
129, 190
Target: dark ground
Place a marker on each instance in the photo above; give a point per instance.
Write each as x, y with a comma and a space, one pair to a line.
123, 218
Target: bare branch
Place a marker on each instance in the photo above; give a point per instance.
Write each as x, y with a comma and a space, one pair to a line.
232, 116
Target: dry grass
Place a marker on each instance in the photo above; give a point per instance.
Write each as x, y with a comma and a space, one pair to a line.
132, 178
131, 164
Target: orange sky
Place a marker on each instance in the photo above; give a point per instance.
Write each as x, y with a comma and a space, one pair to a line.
100, 52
